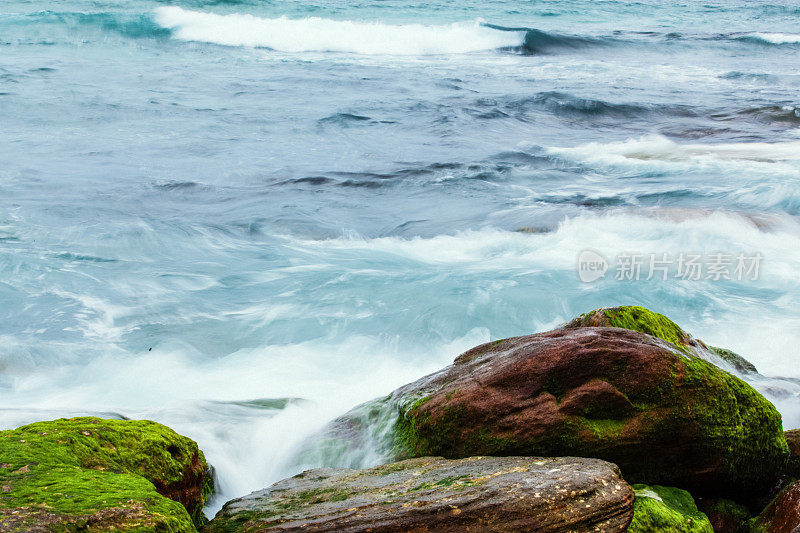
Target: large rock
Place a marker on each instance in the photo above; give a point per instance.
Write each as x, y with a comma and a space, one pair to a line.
90, 472
726, 516
651, 404
793, 440
507, 494
659, 508
783, 514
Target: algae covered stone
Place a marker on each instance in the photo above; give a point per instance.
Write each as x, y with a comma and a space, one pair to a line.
38, 497
651, 405
636, 318
67, 457
726, 516
658, 508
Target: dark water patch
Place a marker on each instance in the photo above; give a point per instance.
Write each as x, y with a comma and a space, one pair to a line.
129, 25
568, 105
344, 119
520, 158
271, 404
69, 256
362, 184
486, 115
42, 69
773, 114
752, 76
310, 180
582, 200
668, 197
542, 42
699, 132
177, 185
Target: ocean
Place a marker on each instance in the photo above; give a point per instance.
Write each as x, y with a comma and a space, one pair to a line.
243, 217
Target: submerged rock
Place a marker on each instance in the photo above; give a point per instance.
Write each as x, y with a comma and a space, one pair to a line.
641, 397
666, 509
96, 473
783, 514
507, 494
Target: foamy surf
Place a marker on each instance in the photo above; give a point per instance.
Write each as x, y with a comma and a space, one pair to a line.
775, 38
657, 147
316, 34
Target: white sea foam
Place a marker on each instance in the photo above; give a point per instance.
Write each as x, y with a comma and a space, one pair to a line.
777, 38
659, 148
326, 35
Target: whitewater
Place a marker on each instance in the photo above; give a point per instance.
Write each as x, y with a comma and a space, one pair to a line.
242, 219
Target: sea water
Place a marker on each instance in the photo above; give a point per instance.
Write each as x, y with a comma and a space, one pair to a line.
243, 217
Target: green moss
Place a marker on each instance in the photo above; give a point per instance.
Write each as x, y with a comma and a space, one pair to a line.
734, 359
729, 515
453, 482
643, 320
140, 447
658, 508
736, 418
604, 430
71, 498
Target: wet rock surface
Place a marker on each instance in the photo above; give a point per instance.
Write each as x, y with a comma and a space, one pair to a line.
502, 494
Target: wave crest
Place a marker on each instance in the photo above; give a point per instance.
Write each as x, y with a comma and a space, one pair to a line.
316, 34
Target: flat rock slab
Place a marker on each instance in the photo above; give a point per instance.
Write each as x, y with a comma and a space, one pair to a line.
429, 494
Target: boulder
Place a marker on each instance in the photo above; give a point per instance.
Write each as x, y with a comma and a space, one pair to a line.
642, 397
725, 516
129, 474
782, 515
793, 440
658, 508
739, 363
501, 494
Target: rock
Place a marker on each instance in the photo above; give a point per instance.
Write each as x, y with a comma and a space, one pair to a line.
636, 318
650, 404
500, 494
726, 516
783, 514
660, 508
68, 498
793, 440
129, 474
739, 363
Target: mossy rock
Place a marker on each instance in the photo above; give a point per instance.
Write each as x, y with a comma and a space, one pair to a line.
39, 497
601, 386
726, 516
793, 440
637, 318
739, 363
658, 508
171, 465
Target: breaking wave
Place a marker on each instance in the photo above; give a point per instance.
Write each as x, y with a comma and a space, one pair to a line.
316, 34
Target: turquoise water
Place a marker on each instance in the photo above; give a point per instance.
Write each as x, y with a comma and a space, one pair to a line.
206, 203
